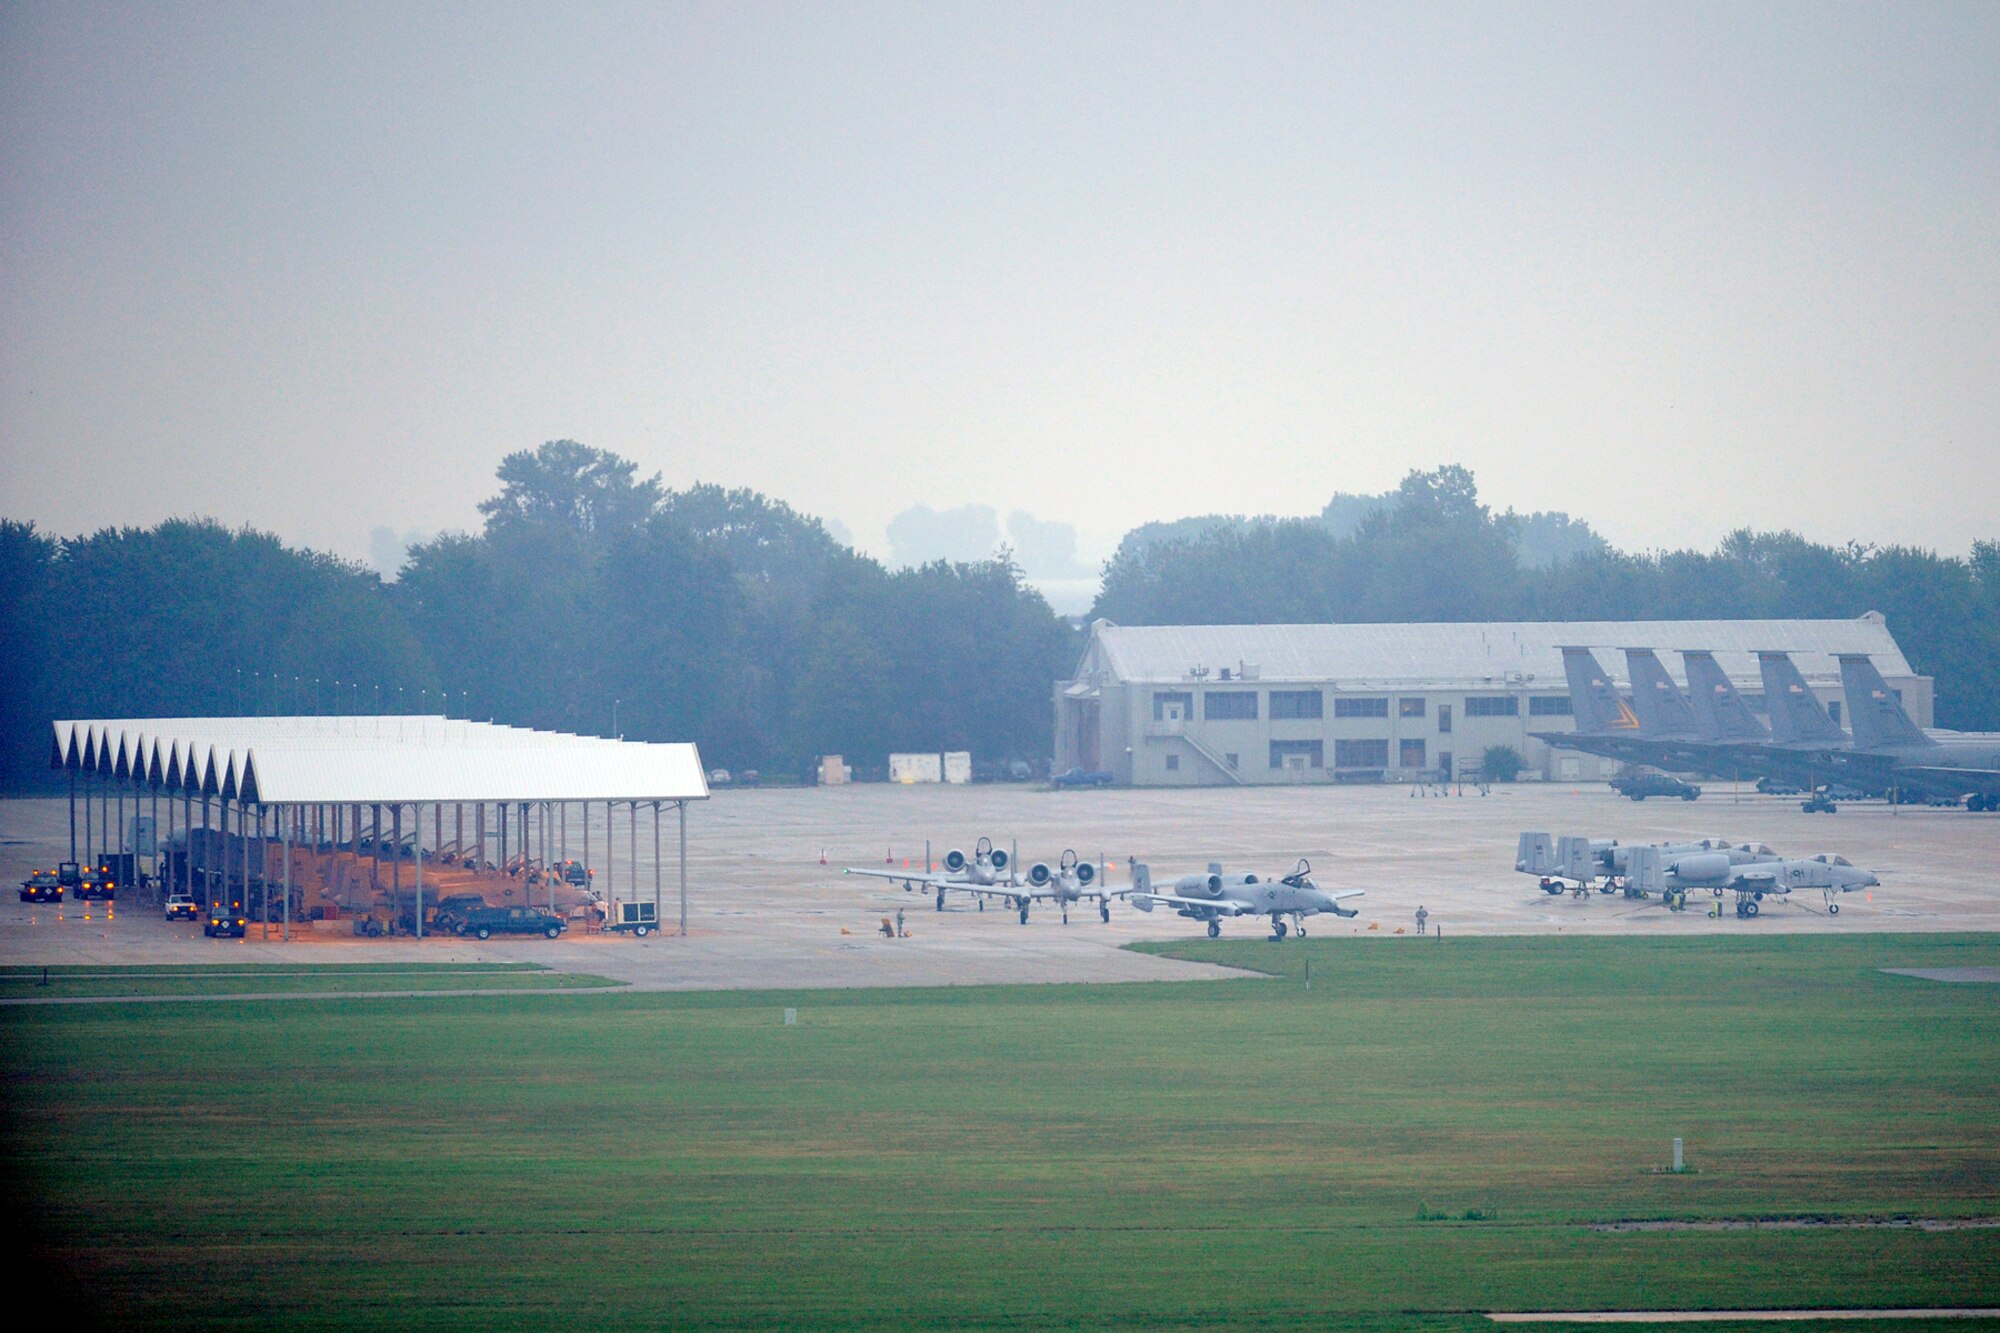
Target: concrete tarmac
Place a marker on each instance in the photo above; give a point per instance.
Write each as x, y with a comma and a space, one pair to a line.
764, 913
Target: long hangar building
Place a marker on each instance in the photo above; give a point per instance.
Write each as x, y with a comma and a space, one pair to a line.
1202, 705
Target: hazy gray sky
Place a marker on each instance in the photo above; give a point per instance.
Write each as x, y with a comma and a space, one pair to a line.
1673, 268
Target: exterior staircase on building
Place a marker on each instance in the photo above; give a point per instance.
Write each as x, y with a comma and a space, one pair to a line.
1200, 747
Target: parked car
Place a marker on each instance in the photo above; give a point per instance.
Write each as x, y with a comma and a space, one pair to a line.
1082, 777
181, 906
718, 777
486, 922
42, 887
1639, 786
1779, 787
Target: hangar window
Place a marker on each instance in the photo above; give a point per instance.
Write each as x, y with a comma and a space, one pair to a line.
1504, 705
1296, 704
1410, 707
1360, 707
1313, 751
1175, 703
1361, 754
1173, 763
1549, 705
1412, 755
1833, 711
1230, 705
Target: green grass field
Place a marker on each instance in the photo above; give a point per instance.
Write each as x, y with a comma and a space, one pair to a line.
1433, 1130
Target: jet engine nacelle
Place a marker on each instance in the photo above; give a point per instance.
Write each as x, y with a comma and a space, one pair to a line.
955, 861
999, 859
1189, 886
1085, 872
1702, 868
1039, 874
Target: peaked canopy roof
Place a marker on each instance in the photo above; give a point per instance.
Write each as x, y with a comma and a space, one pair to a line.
371, 760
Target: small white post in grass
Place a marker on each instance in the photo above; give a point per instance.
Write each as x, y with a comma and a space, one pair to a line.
1679, 1165
791, 1017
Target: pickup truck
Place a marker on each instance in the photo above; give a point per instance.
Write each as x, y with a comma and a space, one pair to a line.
1081, 777
1639, 786
181, 906
486, 922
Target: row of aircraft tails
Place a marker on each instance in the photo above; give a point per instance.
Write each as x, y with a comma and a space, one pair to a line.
1712, 729
1670, 871
991, 873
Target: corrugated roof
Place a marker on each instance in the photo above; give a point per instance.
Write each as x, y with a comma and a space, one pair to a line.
308, 760
1495, 653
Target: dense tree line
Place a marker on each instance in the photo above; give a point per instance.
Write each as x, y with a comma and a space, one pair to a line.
728, 618
1436, 554
708, 614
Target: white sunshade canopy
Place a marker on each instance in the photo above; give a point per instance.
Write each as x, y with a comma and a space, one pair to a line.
376, 760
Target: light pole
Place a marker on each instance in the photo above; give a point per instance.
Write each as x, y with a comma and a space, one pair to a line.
614, 719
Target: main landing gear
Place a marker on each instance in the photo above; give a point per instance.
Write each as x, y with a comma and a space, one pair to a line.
1104, 910
940, 901
1214, 929
1746, 904
1023, 903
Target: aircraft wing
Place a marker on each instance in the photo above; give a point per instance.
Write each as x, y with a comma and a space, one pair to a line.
1226, 906
999, 891
909, 877
1954, 781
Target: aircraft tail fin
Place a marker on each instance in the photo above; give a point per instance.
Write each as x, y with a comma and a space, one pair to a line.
1873, 709
1720, 713
1663, 710
1594, 700
1574, 859
1645, 870
1142, 878
1796, 712
1535, 854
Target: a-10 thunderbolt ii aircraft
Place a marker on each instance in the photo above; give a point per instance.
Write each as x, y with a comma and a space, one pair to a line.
1212, 896
988, 873
1577, 865
1650, 870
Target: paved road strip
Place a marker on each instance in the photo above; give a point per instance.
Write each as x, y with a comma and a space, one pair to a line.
1958, 974
1725, 1316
